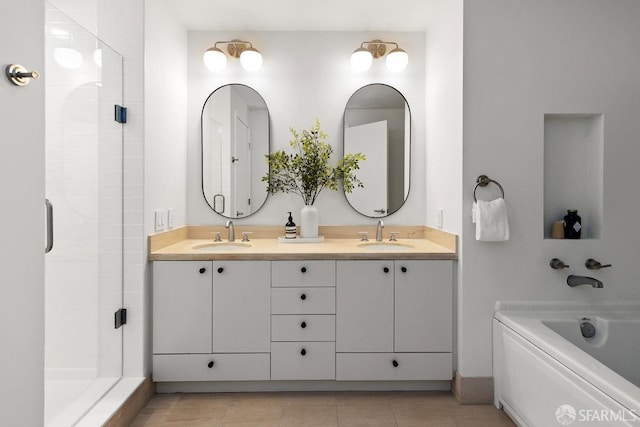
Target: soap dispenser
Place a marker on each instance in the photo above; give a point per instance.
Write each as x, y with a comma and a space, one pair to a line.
290, 228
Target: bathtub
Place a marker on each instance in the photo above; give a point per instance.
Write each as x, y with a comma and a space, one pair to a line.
546, 373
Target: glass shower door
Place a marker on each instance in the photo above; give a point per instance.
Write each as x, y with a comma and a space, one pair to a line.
83, 272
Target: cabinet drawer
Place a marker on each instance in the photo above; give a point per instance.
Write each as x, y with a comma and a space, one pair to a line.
289, 363
303, 273
379, 366
226, 367
303, 301
303, 328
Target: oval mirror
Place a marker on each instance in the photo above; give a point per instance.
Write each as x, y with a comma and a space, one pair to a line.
377, 123
235, 140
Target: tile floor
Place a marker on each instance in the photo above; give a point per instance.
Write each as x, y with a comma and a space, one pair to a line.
401, 409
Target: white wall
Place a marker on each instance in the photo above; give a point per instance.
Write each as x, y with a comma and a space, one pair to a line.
306, 75
165, 113
444, 117
522, 60
22, 243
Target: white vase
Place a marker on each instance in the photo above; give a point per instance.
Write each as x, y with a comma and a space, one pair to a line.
309, 221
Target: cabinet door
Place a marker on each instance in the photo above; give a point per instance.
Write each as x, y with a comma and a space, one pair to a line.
423, 306
364, 306
241, 306
182, 307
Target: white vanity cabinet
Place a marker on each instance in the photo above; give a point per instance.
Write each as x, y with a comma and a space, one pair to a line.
211, 320
394, 320
283, 320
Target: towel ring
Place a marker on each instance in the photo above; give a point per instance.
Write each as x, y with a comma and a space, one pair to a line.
483, 181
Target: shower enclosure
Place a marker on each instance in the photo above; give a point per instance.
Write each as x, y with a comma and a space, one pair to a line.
84, 173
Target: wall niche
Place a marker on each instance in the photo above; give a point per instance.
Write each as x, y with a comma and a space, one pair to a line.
573, 170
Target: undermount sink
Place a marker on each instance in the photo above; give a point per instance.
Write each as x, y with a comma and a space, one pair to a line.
223, 246
385, 246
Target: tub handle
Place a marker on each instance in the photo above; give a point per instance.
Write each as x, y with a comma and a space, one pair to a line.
557, 264
592, 264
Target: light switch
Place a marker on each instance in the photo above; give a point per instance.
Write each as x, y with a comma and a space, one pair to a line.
161, 219
171, 218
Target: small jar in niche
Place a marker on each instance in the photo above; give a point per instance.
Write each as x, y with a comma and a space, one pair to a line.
557, 231
572, 224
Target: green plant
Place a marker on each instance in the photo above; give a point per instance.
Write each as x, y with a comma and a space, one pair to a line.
307, 171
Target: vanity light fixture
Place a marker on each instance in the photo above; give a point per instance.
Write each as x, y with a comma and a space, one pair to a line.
362, 58
250, 59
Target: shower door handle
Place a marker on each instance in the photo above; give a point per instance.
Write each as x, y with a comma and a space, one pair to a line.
49, 208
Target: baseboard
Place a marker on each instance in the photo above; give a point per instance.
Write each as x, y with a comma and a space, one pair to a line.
472, 390
301, 386
130, 409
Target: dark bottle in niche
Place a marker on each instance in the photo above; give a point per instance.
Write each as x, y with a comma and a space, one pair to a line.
572, 224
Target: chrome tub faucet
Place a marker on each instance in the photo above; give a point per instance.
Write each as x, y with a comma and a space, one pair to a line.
573, 281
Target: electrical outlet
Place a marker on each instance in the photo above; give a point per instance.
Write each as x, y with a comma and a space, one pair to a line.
440, 218
161, 219
171, 218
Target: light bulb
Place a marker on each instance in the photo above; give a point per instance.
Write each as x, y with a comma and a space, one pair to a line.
214, 59
251, 59
361, 59
397, 60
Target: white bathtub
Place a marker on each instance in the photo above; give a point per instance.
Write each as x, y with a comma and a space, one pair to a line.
547, 374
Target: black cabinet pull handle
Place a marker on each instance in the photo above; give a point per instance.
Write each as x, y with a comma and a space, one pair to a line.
210, 364
386, 269
403, 269
303, 269
303, 297
303, 352
202, 270
220, 269
395, 363
303, 325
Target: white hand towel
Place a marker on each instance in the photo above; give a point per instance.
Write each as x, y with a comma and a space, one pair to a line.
490, 218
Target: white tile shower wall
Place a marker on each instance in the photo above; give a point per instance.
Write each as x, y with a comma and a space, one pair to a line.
300, 84
119, 23
72, 182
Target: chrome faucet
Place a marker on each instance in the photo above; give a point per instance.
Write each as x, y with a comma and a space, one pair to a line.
232, 233
573, 280
379, 231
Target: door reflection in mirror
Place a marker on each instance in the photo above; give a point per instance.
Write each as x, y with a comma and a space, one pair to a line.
235, 139
377, 123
